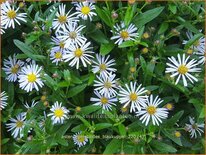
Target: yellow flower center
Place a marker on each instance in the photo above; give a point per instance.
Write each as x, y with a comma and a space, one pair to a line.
194, 126
31, 77
177, 134
80, 138
61, 44
124, 34
11, 14
133, 96
102, 67
151, 110
78, 52
58, 112
197, 43
62, 19
15, 69
58, 55
107, 85
85, 10
104, 100
169, 106
72, 35
182, 69
19, 124
189, 51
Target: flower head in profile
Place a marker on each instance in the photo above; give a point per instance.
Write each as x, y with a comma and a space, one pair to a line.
12, 68
194, 128
29, 77
17, 125
58, 113
105, 102
123, 33
10, 16
150, 111
106, 85
80, 139
103, 65
182, 68
72, 34
79, 53
3, 100
85, 10
133, 96
63, 18
33, 104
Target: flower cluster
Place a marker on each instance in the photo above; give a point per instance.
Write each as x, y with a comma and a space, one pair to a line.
104, 68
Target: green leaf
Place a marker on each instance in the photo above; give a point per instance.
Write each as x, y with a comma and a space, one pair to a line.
129, 14
112, 147
187, 24
162, 146
98, 36
101, 126
163, 28
106, 48
29, 51
173, 8
193, 40
104, 16
4, 141
170, 135
91, 79
89, 109
67, 75
122, 129
147, 16
170, 122
128, 43
76, 90
86, 123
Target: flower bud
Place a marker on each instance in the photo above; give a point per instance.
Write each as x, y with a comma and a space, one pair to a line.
177, 134
98, 25
114, 15
146, 35
78, 109
145, 50
43, 98
131, 2
132, 69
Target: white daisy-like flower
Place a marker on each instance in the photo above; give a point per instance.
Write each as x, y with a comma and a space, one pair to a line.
103, 65
2, 30
77, 53
193, 128
182, 68
80, 139
198, 45
104, 101
58, 43
72, 34
106, 85
63, 18
12, 68
59, 113
29, 77
133, 96
201, 55
17, 125
57, 54
150, 111
9, 16
3, 97
33, 104
122, 33
85, 10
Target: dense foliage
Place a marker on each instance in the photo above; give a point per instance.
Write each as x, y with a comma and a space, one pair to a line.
161, 31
